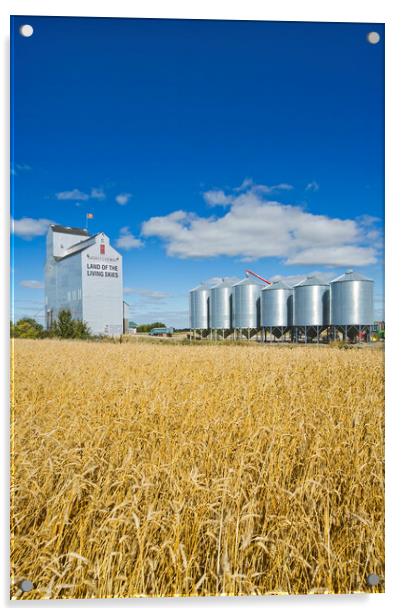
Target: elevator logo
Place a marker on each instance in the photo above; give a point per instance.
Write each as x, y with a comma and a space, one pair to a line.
105, 259
102, 247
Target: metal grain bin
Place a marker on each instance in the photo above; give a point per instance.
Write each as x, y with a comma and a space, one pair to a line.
199, 307
246, 304
351, 299
311, 302
276, 305
221, 306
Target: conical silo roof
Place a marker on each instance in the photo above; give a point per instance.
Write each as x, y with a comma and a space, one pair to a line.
279, 284
351, 275
247, 282
312, 281
223, 284
200, 287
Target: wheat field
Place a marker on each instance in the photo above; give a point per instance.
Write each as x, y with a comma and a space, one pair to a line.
185, 470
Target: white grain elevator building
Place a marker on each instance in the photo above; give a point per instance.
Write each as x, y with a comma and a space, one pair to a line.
84, 274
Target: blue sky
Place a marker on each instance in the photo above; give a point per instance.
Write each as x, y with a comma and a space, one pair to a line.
201, 147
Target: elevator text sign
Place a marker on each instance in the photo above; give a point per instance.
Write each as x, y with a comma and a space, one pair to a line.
103, 270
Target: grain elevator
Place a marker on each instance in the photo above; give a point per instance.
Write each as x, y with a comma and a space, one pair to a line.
84, 274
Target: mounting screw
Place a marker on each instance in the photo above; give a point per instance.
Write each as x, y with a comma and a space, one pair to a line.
373, 579
373, 38
26, 585
26, 30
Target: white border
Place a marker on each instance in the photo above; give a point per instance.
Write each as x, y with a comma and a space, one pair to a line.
287, 10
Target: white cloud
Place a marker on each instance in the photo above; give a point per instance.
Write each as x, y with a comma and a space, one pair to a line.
78, 195
248, 184
283, 186
18, 167
262, 188
98, 193
219, 197
216, 197
368, 221
27, 228
253, 227
312, 186
373, 235
32, 284
127, 240
73, 195
123, 198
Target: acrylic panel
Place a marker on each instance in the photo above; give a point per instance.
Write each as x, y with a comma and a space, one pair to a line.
197, 326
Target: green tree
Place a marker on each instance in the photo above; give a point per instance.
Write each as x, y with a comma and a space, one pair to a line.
67, 327
27, 328
81, 330
63, 326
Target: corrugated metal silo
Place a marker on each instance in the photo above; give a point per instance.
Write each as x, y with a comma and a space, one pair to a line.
351, 299
221, 306
276, 305
199, 307
246, 304
311, 303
